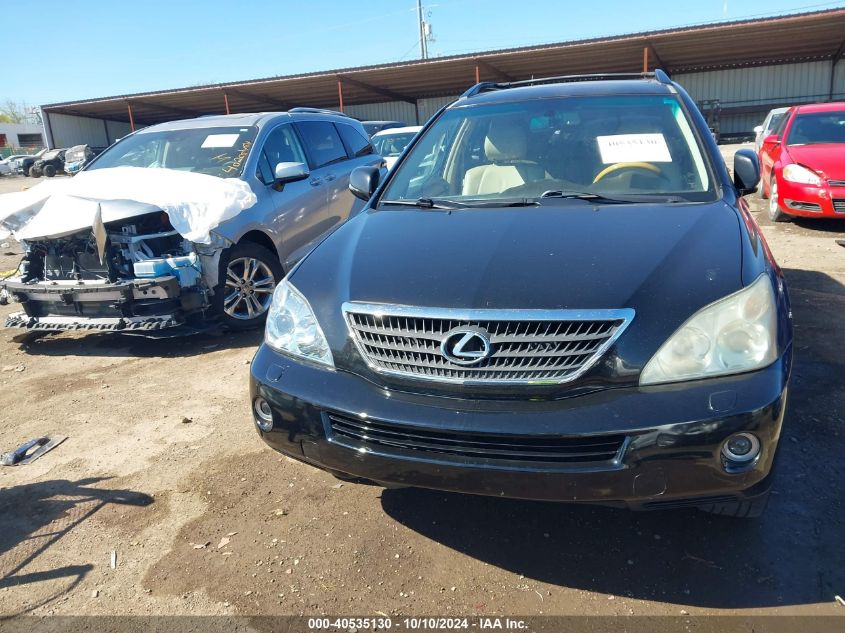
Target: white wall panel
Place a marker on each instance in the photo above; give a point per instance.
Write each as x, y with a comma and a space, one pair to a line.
387, 111
117, 129
807, 81
69, 130
429, 107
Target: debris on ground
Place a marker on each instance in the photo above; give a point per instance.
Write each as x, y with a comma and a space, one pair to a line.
29, 451
186, 420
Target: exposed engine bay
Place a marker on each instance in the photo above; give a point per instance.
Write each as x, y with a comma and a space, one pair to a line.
134, 273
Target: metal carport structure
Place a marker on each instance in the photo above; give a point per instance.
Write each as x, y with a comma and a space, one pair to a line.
811, 42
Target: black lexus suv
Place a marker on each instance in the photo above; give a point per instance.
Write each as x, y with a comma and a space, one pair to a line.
557, 293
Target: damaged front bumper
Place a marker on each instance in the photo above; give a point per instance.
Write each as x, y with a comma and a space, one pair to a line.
152, 303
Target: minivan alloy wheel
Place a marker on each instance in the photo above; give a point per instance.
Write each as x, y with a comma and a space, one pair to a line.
249, 288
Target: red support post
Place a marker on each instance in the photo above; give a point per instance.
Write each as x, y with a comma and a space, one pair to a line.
645, 59
340, 93
131, 119
226, 101
477, 74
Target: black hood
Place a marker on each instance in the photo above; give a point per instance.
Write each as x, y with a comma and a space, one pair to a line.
664, 261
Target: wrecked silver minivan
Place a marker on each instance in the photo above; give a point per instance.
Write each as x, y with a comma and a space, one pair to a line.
182, 220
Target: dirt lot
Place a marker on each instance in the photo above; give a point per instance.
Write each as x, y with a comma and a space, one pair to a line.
162, 466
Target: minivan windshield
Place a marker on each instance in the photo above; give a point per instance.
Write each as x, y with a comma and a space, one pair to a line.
216, 151
392, 144
817, 127
601, 148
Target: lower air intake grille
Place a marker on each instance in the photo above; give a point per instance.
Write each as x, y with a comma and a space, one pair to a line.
839, 205
362, 433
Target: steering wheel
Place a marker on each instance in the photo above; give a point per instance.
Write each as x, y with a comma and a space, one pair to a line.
610, 169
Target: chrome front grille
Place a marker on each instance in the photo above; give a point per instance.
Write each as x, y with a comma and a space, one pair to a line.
836, 183
525, 346
839, 205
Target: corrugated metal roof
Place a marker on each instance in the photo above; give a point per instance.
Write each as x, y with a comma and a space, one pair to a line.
775, 40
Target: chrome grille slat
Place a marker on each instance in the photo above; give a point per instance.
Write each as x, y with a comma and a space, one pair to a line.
552, 346
560, 449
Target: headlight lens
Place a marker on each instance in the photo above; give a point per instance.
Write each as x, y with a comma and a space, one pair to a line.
800, 174
292, 327
732, 335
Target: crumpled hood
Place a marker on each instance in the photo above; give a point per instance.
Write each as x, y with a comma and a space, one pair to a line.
195, 203
664, 261
828, 158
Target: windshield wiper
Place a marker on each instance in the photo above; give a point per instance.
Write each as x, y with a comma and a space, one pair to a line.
580, 195
443, 203
591, 196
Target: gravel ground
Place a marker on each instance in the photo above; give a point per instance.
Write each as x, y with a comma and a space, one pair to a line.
163, 468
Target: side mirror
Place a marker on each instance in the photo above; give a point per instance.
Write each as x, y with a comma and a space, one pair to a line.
758, 129
290, 172
771, 139
746, 171
363, 182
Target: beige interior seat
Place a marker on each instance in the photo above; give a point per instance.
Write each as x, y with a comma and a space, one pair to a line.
504, 147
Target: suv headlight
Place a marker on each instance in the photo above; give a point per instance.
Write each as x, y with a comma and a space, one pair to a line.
733, 335
800, 174
292, 327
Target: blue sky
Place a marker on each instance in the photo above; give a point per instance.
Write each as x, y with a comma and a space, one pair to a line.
94, 48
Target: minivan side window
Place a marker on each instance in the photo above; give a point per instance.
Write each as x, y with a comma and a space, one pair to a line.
323, 142
356, 143
281, 146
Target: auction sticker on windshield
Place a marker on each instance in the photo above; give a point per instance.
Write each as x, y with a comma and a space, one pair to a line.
632, 148
220, 140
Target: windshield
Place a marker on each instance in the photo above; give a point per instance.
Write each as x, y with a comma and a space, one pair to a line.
217, 151
775, 121
621, 147
75, 153
817, 127
392, 144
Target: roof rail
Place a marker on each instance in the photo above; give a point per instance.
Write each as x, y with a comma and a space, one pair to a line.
306, 110
487, 86
484, 86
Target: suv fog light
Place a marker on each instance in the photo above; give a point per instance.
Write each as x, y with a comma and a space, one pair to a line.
263, 414
742, 447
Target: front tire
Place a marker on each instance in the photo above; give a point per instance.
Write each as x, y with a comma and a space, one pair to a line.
49, 171
248, 277
775, 213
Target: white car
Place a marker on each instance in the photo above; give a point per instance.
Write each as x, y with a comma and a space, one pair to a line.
770, 123
392, 142
7, 165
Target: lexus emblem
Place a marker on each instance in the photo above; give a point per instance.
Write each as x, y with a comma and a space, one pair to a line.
465, 346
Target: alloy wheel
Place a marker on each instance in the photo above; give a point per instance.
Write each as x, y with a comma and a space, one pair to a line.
249, 288
773, 200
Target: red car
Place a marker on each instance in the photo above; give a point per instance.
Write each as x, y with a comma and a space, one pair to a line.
803, 163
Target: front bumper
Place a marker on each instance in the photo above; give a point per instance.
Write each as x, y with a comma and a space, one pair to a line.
132, 304
810, 201
669, 455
